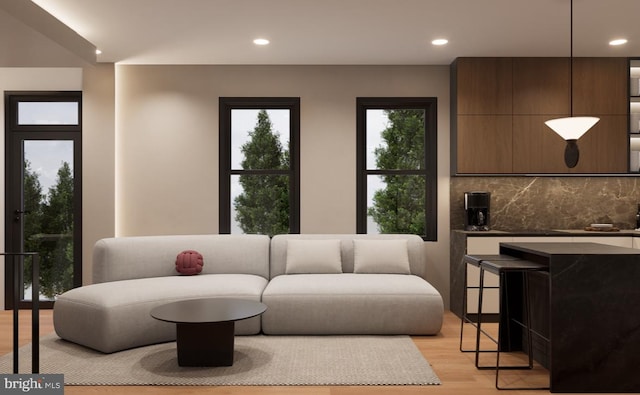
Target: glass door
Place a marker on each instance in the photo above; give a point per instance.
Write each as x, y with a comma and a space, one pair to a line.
43, 193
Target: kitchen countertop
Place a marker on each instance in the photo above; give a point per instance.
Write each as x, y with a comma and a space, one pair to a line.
549, 232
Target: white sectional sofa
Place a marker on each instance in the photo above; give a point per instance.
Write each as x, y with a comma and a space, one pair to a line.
311, 284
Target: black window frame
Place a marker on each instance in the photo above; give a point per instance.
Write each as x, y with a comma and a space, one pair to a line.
430, 170
226, 105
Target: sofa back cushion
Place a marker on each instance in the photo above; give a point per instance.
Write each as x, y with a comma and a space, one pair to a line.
278, 261
124, 258
313, 256
381, 256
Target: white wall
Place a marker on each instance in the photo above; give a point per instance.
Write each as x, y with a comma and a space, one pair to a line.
167, 143
29, 79
98, 161
23, 46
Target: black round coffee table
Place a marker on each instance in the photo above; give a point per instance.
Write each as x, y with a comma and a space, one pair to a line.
205, 327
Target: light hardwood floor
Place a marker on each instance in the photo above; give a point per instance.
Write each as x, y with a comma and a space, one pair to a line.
455, 369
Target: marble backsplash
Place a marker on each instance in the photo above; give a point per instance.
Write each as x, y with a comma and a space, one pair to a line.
539, 203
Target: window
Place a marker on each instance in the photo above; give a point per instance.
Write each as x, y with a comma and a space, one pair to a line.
48, 113
259, 162
397, 166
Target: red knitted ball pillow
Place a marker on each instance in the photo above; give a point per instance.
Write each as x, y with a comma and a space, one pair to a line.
189, 262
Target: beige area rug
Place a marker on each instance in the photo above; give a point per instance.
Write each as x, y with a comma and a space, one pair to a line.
258, 360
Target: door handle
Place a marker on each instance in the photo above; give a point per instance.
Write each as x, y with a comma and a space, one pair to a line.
19, 213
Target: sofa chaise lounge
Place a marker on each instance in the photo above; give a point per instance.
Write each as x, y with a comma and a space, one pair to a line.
311, 284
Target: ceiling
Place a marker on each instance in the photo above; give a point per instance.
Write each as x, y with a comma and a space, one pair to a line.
346, 32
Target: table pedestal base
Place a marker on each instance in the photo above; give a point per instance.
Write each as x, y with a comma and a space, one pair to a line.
205, 344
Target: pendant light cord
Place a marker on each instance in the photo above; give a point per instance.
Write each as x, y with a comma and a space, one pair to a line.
571, 60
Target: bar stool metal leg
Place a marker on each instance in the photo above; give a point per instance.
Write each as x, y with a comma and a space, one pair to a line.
479, 323
528, 331
463, 313
464, 319
465, 303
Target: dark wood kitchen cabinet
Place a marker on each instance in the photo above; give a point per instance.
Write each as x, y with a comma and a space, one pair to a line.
600, 86
488, 93
484, 107
600, 89
536, 148
484, 86
603, 149
541, 86
486, 141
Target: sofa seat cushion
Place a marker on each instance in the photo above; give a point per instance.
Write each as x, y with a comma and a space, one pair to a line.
348, 303
114, 316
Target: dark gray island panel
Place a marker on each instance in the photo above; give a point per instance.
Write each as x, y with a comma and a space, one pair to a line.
594, 314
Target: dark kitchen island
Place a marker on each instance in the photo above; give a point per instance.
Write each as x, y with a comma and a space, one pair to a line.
592, 313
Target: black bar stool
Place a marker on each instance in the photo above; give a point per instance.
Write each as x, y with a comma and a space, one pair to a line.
474, 260
501, 268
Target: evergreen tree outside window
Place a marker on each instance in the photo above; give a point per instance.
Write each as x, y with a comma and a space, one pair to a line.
258, 165
397, 159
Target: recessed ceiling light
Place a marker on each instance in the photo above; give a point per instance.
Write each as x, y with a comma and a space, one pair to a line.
98, 52
440, 41
261, 41
618, 41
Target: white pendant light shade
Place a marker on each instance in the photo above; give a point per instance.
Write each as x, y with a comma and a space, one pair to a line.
571, 128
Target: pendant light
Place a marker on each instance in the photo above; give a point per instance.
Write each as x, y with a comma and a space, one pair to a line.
571, 128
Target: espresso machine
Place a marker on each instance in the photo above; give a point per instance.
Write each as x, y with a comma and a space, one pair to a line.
476, 210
